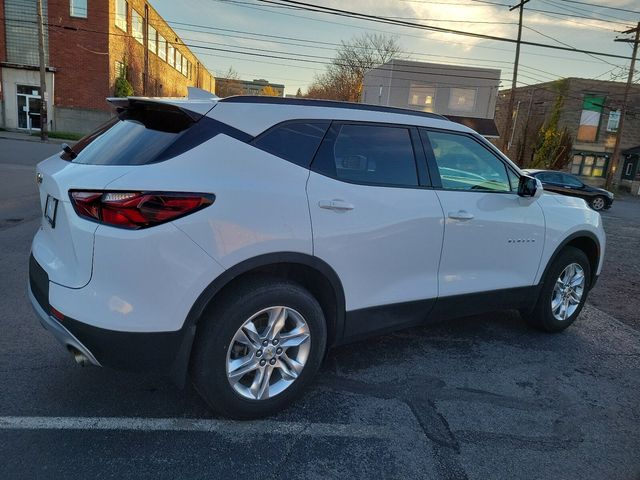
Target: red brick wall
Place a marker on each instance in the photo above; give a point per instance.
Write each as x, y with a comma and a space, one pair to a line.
85, 58
164, 80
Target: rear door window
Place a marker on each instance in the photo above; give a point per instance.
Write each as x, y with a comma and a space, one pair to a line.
296, 141
368, 154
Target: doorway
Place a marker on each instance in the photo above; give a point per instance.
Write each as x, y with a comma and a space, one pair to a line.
29, 102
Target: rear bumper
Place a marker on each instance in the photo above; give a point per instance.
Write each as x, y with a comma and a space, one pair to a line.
161, 352
64, 336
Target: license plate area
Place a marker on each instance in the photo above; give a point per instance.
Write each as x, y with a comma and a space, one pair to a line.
50, 210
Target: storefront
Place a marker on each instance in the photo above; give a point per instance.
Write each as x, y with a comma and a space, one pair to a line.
21, 97
630, 174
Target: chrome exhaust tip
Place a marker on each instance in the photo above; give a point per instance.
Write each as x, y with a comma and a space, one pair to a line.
80, 358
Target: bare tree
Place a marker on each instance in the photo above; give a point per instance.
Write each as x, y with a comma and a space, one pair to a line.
228, 84
343, 78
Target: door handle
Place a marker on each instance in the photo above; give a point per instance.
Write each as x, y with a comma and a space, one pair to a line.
461, 215
337, 205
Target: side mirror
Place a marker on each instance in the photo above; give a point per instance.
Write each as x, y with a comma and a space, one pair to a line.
529, 187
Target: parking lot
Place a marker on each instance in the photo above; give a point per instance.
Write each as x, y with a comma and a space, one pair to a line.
477, 398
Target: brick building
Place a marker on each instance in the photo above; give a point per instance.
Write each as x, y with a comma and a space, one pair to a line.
590, 112
227, 87
88, 45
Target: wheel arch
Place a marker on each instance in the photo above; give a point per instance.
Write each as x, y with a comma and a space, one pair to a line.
583, 240
311, 272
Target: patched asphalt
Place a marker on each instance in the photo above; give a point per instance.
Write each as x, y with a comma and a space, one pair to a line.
475, 398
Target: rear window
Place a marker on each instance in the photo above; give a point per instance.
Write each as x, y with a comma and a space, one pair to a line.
137, 136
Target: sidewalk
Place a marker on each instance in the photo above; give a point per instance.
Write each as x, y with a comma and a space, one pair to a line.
29, 138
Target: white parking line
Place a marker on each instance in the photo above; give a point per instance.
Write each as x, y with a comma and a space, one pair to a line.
226, 427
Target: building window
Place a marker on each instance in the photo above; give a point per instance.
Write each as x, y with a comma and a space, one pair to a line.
422, 96
185, 68
162, 48
614, 121
151, 39
589, 164
78, 8
120, 70
178, 60
171, 52
121, 14
136, 26
462, 99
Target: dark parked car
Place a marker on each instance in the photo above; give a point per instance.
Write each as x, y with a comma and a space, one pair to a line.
560, 182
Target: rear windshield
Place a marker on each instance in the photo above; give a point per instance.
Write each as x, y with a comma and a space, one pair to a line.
137, 136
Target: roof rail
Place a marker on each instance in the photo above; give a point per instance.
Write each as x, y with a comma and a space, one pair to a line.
306, 102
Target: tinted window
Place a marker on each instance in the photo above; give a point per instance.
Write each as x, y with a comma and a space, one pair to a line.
549, 177
572, 181
369, 154
464, 164
296, 142
138, 136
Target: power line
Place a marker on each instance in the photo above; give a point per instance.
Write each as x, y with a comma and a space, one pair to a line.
379, 19
602, 6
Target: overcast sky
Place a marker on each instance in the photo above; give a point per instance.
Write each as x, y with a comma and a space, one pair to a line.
311, 35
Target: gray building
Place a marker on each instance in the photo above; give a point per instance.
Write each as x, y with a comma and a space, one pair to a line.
464, 94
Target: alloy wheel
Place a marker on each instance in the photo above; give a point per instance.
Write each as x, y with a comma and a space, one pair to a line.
268, 353
568, 291
598, 203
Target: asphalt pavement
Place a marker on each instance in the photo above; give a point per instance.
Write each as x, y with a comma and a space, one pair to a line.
477, 398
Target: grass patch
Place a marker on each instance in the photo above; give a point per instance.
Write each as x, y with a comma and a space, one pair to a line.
62, 135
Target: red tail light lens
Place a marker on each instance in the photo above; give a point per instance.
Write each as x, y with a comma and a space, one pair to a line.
136, 210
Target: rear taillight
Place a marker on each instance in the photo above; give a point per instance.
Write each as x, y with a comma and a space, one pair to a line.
136, 210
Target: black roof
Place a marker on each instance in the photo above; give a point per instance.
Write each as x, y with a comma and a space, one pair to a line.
307, 102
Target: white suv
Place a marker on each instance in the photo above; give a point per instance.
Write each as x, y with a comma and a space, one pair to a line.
234, 241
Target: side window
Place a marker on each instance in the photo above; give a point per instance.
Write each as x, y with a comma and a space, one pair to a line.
464, 164
571, 181
296, 142
369, 154
550, 178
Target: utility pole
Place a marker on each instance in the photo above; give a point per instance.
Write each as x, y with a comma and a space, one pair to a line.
508, 126
44, 123
612, 169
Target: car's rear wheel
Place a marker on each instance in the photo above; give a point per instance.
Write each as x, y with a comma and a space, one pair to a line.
598, 203
258, 348
564, 292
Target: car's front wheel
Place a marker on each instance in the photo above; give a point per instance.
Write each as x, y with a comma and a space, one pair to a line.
258, 348
598, 203
564, 292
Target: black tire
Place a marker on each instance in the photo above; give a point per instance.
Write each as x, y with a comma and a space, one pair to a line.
598, 203
216, 332
541, 316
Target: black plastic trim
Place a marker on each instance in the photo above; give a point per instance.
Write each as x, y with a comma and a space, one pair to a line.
39, 282
329, 104
129, 351
370, 321
188, 330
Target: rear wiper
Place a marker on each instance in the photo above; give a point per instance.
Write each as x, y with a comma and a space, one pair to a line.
69, 151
